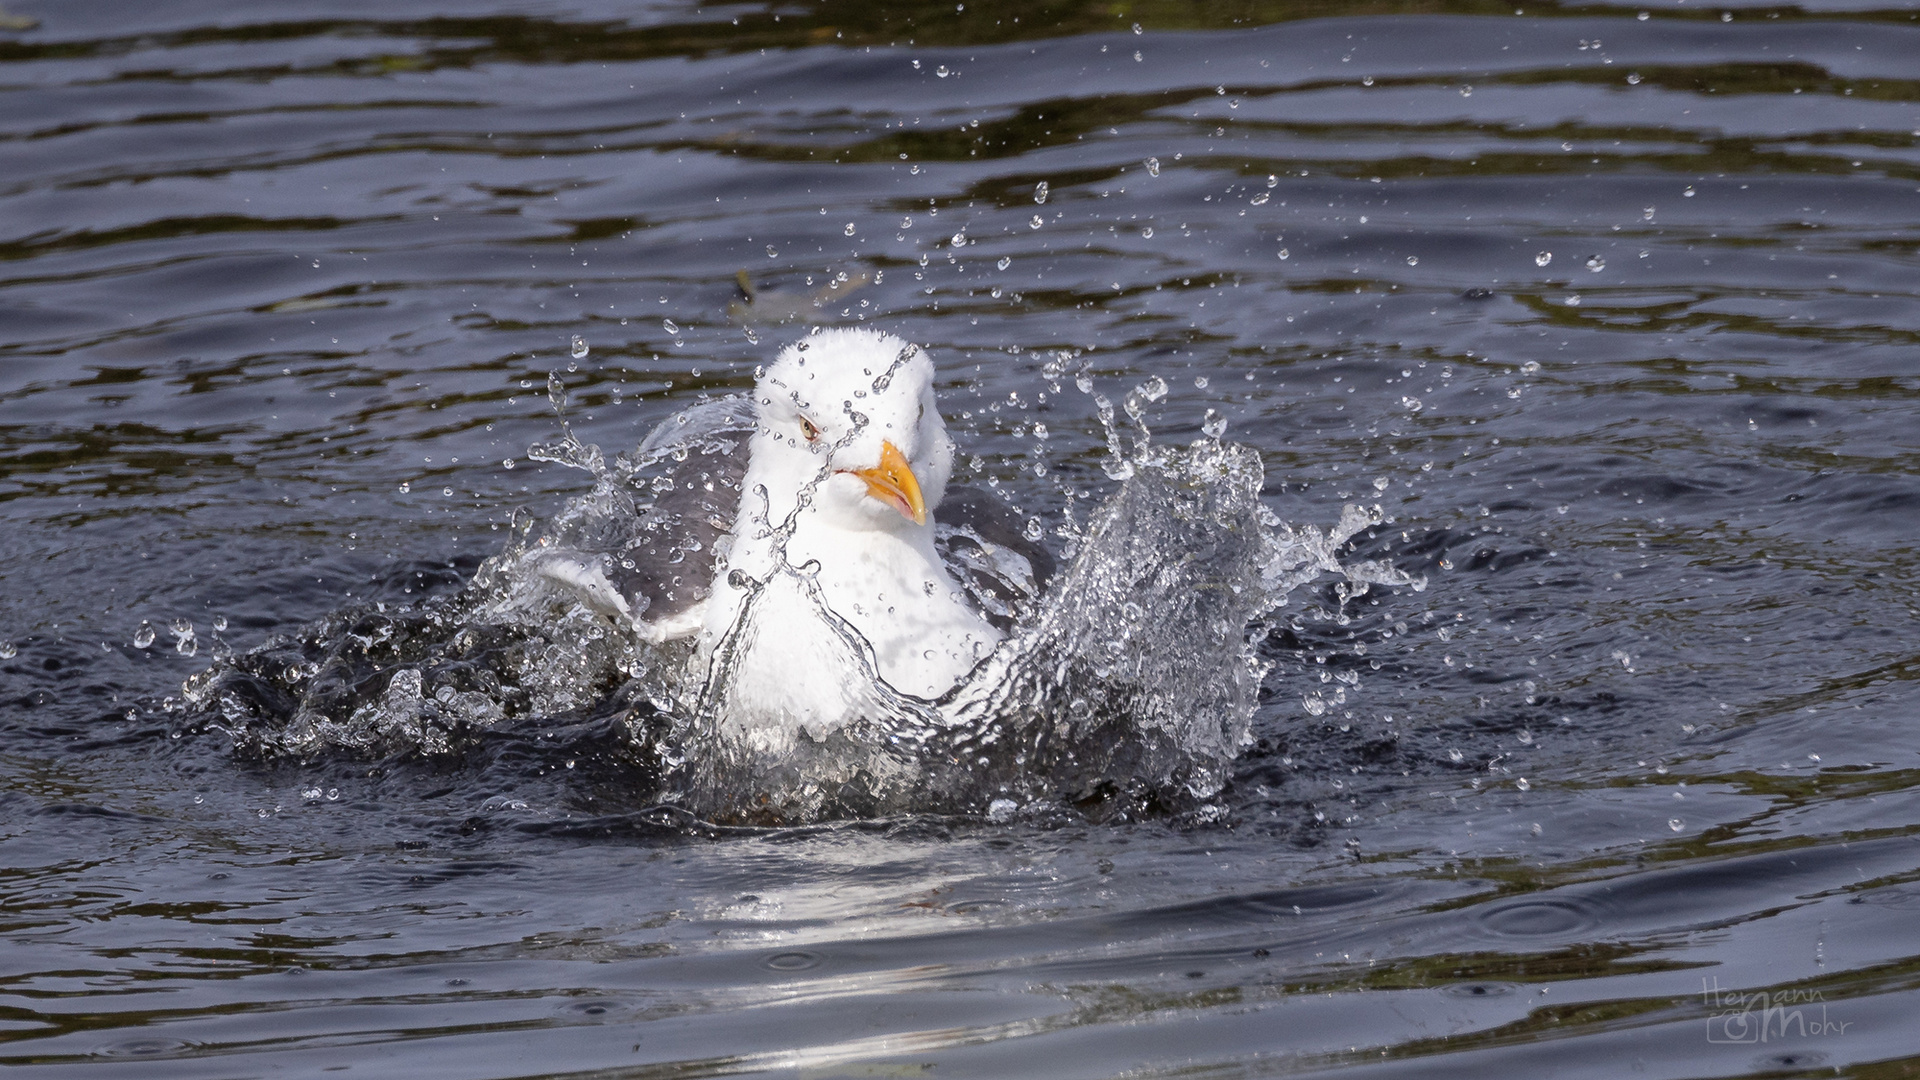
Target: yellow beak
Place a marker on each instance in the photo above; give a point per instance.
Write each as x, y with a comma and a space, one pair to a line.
893, 483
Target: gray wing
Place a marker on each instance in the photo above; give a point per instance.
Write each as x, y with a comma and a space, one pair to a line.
651, 559
984, 544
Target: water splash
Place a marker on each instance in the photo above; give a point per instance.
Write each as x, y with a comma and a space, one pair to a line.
1128, 686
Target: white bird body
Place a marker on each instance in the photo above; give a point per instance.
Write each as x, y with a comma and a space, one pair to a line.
795, 543
848, 459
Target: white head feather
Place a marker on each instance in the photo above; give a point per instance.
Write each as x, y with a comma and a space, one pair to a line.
826, 407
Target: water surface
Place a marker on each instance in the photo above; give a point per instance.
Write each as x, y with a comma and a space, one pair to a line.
1611, 309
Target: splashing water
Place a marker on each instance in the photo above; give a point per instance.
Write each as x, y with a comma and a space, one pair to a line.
1127, 687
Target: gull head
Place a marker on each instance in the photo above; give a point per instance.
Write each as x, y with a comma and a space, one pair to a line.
849, 431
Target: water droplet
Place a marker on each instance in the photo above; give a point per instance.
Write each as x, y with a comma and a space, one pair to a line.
1153, 166
1596, 264
1366, 81
942, 71
405, 486
1259, 199
1137, 30
1688, 193
1413, 260
143, 637
1643, 16
1676, 824
959, 239
1036, 222
1284, 254
1146, 233
1005, 261
1466, 91
1040, 193
1033, 530
772, 252
448, 492
1531, 367
1633, 78
1522, 784
8, 650
556, 390
506, 463
670, 326
849, 229
1214, 425
1136, 56
577, 348
1543, 258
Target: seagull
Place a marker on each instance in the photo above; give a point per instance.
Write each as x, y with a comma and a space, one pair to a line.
806, 540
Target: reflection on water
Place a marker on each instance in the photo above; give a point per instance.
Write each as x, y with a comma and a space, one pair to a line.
1610, 308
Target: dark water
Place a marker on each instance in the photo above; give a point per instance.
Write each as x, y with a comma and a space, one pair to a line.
280, 290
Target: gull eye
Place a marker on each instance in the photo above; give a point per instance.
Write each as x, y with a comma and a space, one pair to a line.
807, 429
